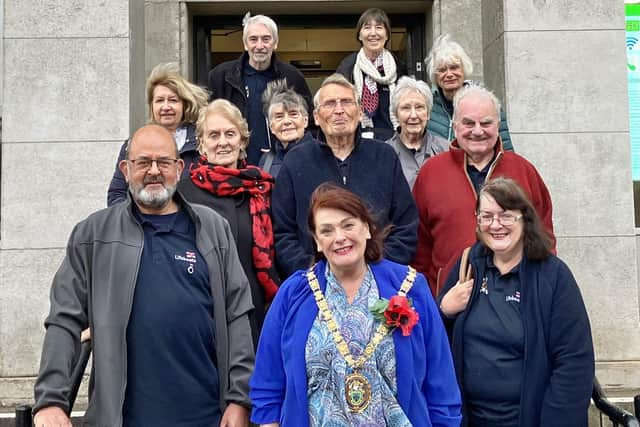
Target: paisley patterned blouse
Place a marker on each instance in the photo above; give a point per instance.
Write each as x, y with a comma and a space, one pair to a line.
326, 368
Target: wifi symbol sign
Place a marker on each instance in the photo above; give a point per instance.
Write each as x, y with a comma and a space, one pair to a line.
631, 42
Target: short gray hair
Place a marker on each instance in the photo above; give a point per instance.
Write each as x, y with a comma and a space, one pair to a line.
406, 85
446, 52
476, 90
259, 20
336, 79
278, 93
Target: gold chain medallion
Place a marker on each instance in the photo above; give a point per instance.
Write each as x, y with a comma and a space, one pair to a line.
357, 391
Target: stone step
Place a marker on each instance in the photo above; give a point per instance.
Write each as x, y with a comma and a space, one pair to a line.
596, 418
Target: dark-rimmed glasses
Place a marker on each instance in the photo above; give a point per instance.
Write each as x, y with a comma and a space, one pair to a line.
144, 164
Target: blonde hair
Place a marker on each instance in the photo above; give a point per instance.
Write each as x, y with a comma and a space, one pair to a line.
193, 97
230, 112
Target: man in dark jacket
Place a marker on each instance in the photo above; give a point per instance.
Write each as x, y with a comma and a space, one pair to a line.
159, 284
369, 168
243, 80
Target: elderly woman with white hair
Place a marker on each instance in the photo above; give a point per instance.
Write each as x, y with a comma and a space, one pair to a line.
288, 117
411, 101
447, 66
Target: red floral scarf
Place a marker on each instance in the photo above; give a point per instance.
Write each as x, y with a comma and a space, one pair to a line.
225, 182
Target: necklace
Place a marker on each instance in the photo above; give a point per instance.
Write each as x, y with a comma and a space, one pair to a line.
357, 388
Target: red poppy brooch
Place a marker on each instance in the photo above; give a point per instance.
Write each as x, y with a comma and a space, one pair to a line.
396, 312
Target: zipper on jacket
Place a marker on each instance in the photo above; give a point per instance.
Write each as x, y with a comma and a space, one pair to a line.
489, 172
130, 305
444, 108
338, 170
493, 166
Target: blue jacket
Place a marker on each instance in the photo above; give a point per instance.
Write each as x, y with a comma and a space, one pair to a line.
118, 188
427, 389
558, 351
277, 153
374, 173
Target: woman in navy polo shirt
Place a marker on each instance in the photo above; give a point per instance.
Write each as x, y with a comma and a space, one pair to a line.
521, 338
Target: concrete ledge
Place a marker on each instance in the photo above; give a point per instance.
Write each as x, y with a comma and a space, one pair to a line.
19, 390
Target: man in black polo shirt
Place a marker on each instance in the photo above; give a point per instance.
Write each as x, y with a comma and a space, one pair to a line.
242, 81
160, 285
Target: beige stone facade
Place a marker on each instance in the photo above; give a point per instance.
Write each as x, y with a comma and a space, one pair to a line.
72, 89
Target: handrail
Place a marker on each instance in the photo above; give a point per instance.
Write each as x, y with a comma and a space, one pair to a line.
23, 412
616, 414
81, 365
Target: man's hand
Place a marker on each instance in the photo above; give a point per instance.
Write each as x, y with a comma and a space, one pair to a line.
51, 416
235, 416
456, 299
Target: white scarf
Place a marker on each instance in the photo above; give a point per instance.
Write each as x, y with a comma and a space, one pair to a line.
372, 76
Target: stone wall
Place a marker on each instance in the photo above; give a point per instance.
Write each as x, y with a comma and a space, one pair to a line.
72, 89
65, 115
561, 67
462, 19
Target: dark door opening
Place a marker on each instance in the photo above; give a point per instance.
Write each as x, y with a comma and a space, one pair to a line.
315, 44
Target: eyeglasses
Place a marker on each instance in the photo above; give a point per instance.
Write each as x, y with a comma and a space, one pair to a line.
504, 218
333, 103
144, 164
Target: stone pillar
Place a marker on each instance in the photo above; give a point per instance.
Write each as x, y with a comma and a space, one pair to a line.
462, 19
560, 67
65, 115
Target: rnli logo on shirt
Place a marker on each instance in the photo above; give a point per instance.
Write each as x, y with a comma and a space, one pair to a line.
515, 297
189, 257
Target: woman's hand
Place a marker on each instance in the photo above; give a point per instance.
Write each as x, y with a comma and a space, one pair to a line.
456, 299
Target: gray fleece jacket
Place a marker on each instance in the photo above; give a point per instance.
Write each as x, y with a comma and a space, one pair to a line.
94, 288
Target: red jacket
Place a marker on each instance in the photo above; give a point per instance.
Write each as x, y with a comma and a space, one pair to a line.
446, 202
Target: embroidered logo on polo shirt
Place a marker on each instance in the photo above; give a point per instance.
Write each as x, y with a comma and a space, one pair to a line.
188, 257
484, 289
515, 297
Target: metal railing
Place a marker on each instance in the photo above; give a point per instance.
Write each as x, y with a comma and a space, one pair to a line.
23, 412
617, 415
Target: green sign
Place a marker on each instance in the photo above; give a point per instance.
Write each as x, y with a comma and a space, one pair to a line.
632, 40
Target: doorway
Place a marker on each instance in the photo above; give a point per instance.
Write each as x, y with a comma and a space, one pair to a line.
310, 38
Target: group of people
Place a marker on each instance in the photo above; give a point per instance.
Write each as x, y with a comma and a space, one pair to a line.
376, 255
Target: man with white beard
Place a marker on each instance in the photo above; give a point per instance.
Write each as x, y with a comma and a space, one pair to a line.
159, 283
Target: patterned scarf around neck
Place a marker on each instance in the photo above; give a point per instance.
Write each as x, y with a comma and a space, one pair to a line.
372, 77
226, 182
